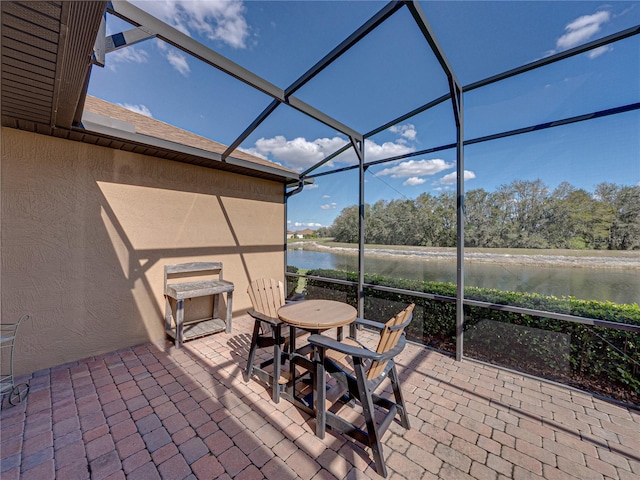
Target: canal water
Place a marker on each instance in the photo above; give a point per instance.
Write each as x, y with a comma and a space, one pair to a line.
604, 284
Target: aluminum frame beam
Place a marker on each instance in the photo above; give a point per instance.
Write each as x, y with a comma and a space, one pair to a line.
127, 38
430, 36
541, 126
161, 30
615, 37
370, 25
424, 26
327, 60
487, 81
458, 109
358, 146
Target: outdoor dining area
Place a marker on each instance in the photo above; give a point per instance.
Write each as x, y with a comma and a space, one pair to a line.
205, 411
129, 365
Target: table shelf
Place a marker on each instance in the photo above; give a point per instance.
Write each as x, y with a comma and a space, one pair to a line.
200, 328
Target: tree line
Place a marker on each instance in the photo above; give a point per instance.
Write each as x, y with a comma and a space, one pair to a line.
522, 214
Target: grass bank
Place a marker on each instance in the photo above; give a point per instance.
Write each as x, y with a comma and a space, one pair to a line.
521, 256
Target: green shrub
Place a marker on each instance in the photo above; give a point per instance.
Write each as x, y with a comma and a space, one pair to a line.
596, 358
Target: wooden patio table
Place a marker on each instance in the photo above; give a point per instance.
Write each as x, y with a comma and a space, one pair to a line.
314, 316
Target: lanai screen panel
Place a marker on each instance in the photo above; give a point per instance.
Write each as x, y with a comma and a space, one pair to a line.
482, 39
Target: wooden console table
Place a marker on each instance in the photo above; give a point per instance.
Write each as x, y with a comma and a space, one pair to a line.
182, 291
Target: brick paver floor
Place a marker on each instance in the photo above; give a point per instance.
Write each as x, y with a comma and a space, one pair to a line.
153, 411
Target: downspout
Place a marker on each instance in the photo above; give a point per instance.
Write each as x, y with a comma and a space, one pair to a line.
293, 192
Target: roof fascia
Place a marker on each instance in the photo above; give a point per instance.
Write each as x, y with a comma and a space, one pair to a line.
153, 142
79, 26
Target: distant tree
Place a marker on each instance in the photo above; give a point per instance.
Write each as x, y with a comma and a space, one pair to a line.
428, 226
481, 214
445, 220
376, 229
529, 201
522, 214
625, 230
322, 232
345, 226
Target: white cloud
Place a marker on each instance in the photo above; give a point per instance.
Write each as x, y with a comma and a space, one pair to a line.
306, 224
311, 186
300, 153
416, 168
450, 178
326, 196
596, 52
329, 206
218, 20
582, 29
373, 151
179, 62
413, 181
407, 131
126, 55
142, 109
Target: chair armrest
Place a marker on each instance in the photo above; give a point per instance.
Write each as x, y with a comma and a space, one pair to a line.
264, 318
369, 323
333, 344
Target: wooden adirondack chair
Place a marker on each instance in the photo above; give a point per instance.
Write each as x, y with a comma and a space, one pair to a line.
368, 370
267, 296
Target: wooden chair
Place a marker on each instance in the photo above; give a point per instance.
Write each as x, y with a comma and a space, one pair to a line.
267, 296
368, 370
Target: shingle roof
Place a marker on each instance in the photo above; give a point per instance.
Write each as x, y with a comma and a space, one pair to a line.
155, 128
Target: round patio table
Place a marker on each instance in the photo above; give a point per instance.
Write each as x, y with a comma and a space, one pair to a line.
317, 314
314, 315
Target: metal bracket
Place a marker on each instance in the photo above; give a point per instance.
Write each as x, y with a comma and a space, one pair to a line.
110, 43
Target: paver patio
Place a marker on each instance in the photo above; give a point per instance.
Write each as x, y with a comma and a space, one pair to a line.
153, 411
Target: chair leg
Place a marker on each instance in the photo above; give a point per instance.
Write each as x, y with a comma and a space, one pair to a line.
277, 360
320, 393
369, 414
252, 351
402, 411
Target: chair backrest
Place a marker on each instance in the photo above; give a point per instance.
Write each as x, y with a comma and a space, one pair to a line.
389, 338
267, 296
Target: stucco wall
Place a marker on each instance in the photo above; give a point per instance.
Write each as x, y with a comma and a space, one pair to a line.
87, 230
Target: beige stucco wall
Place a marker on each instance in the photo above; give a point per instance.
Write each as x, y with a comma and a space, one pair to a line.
87, 230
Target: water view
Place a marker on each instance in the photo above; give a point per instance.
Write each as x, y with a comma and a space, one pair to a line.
604, 284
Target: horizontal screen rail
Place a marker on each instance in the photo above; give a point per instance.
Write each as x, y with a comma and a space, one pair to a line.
477, 303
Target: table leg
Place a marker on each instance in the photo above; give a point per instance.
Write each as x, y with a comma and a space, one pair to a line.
291, 384
179, 322
167, 314
229, 310
215, 309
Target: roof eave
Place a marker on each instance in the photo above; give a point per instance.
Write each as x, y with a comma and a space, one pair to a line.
130, 140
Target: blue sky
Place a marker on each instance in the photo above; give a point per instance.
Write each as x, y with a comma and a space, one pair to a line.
388, 74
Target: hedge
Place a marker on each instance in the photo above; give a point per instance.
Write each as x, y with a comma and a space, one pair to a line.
598, 359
